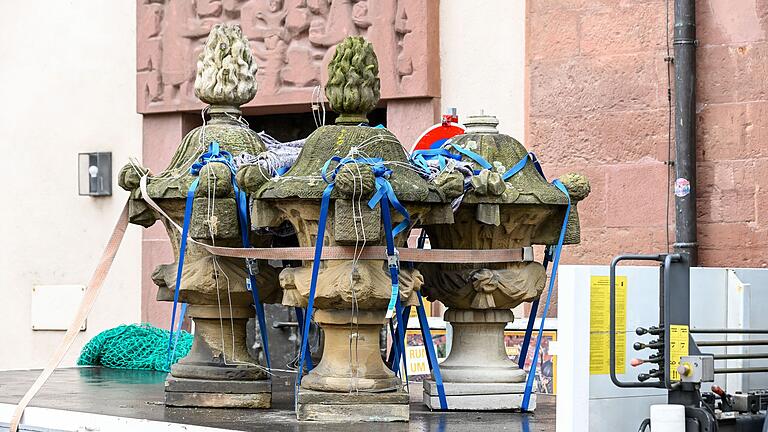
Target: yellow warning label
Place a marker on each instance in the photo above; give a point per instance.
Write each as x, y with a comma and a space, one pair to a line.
678, 347
599, 325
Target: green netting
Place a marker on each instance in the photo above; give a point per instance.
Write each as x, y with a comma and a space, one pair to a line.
135, 346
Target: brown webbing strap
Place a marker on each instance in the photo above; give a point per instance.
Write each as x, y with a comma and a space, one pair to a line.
453, 256
91, 292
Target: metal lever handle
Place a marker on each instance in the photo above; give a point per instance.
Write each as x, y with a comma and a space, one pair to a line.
654, 344
612, 351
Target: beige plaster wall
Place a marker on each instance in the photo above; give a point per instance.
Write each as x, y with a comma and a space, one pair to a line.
482, 60
69, 86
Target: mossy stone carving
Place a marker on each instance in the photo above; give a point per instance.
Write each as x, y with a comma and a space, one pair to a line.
353, 87
352, 291
226, 72
225, 79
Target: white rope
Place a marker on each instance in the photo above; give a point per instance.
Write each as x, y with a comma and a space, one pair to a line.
318, 106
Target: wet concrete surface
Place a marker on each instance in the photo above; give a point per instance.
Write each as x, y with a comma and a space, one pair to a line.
139, 394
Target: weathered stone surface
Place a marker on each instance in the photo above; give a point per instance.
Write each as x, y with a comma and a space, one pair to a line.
478, 397
598, 105
220, 222
294, 42
488, 214
398, 397
557, 34
355, 407
186, 385
218, 400
358, 224
459, 389
582, 84
438, 215
596, 138
632, 28
366, 283
225, 78
225, 69
351, 359
630, 185
478, 354
353, 87
578, 188
504, 287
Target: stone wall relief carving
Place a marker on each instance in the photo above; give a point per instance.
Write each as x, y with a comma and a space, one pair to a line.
293, 42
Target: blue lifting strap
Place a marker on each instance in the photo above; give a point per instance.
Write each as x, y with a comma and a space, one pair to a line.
434, 366
251, 265
396, 354
215, 154
385, 196
555, 263
300, 321
426, 336
535, 305
532, 317
474, 156
382, 197
324, 203
420, 158
178, 332
384, 191
402, 320
180, 267
516, 168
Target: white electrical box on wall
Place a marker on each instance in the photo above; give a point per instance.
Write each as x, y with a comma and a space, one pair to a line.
55, 306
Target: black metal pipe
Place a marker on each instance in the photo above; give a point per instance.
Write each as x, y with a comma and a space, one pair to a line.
740, 356
732, 343
685, 129
729, 331
741, 370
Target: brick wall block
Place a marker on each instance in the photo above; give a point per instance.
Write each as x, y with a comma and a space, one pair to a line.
583, 84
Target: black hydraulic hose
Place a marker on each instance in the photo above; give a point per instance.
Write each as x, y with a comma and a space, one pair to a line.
646, 424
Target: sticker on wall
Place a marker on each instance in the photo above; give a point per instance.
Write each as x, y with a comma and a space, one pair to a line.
682, 187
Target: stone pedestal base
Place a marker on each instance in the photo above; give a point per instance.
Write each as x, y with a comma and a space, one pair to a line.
185, 392
351, 362
352, 407
477, 352
478, 396
218, 372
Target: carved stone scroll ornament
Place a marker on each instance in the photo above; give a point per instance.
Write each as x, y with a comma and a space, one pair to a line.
486, 288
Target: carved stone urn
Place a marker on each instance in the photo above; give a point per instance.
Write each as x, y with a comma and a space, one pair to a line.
351, 382
495, 213
218, 371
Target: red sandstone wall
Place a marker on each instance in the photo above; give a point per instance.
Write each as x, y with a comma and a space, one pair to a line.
597, 104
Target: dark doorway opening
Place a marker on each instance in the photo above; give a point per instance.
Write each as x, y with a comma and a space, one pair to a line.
291, 127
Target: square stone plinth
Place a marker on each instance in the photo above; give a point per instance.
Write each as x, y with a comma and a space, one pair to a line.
353, 407
478, 396
185, 392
